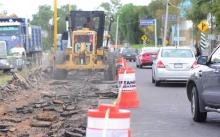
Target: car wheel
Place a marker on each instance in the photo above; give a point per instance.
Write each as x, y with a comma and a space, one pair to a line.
157, 83
140, 66
197, 115
137, 65
153, 81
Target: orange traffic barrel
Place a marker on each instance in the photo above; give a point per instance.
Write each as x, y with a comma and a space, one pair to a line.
108, 121
121, 62
127, 97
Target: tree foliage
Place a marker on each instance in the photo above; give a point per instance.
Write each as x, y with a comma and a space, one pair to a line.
45, 14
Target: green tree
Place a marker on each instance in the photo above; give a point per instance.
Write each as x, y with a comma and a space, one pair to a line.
44, 15
41, 18
112, 7
63, 12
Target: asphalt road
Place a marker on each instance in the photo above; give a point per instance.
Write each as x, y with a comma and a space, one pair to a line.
165, 111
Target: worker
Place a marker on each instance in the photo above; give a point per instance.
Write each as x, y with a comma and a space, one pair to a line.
89, 23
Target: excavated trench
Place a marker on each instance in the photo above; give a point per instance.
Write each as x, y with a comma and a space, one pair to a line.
39, 106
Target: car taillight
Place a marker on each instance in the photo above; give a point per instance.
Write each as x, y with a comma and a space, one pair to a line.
141, 57
194, 64
160, 64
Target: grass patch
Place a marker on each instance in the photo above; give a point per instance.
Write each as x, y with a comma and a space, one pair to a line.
5, 78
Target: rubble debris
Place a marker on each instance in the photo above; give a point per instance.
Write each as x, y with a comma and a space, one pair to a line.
24, 109
69, 113
23, 135
46, 117
21, 80
58, 102
60, 108
41, 124
13, 120
72, 134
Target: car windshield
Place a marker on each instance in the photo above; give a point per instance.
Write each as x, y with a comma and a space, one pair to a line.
126, 51
151, 50
176, 53
216, 56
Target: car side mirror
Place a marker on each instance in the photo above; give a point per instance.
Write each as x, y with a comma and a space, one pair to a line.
202, 60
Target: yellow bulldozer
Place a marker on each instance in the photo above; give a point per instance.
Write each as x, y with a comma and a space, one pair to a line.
82, 46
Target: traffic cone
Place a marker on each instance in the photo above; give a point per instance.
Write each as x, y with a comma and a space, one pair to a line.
127, 97
108, 121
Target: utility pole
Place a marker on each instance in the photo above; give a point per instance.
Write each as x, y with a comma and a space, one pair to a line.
212, 41
166, 22
55, 26
116, 35
155, 31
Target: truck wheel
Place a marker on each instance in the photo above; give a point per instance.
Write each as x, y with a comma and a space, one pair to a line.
60, 74
197, 115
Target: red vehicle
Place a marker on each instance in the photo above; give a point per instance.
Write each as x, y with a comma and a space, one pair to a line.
145, 57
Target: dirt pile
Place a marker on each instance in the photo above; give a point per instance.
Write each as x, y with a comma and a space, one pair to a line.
20, 83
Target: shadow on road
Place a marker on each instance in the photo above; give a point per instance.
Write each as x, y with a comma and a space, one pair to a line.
170, 85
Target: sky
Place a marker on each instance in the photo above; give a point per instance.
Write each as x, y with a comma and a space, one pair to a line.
25, 8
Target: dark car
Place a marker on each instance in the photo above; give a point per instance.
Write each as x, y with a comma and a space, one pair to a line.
129, 54
145, 57
203, 87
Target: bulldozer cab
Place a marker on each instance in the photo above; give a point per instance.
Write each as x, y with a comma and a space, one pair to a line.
94, 21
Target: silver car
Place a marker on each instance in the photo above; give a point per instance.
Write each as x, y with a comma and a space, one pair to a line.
173, 64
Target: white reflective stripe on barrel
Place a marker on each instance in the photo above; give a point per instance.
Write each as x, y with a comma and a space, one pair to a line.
128, 80
109, 133
113, 123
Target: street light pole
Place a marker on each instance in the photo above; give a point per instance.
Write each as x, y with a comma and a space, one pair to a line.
166, 22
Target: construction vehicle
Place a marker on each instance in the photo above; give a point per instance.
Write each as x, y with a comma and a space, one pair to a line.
18, 41
85, 50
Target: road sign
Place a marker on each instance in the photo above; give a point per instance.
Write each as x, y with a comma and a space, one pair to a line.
144, 37
180, 39
146, 22
203, 26
151, 28
170, 18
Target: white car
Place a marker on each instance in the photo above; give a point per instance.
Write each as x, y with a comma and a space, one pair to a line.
173, 64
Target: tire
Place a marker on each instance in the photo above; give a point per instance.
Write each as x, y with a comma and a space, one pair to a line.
137, 65
153, 80
157, 83
141, 66
195, 108
60, 74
